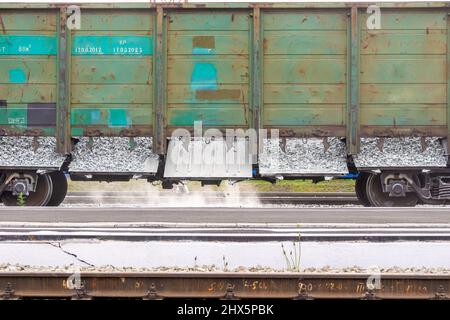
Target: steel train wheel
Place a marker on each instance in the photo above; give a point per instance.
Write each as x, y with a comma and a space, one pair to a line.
40, 197
360, 189
378, 198
59, 188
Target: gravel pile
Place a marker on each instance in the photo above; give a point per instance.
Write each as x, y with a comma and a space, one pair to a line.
29, 152
304, 155
213, 268
401, 152
114, 154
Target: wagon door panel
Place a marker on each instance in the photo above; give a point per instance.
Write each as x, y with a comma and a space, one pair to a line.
112, 91
111, 73
28, 89
304, 91
403, 72
208, 69
403, 90
28, 54
305, 71
207, 82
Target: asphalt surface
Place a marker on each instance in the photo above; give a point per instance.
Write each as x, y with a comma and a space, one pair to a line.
428, 215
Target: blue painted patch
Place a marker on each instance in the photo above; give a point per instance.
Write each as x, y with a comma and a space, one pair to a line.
17, 76
95, 117
27, 45
198, 50
204, 76
112, 45
350, 176
118, 118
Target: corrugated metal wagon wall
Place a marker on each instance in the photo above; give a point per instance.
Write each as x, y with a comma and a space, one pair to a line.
403, 74
133, 73
111, 96
403, 88
28, 72
29, 83
112, 73
208, 68
304, 71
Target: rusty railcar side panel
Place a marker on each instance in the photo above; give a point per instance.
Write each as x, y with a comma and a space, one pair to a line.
112, 73
28, 71
63, 136
208, 68
403, 70
306, 85
305, 53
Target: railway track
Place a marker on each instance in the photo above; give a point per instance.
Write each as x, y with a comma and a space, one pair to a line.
164, 197
222, 285
11, 231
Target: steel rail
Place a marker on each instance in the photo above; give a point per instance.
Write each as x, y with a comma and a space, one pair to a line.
224, 285
263, 197
235, 233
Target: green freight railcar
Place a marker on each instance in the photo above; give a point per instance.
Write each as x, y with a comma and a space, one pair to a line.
233, 91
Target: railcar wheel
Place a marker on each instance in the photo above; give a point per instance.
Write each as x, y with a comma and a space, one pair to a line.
39, 198
360, 189
59, 192
378, 198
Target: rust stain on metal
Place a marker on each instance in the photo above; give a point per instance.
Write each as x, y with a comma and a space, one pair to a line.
222, 94
2, 25
265, 44
131, 133
93, 132
207, 42
311, 131
219, 286
33, 132
403, 131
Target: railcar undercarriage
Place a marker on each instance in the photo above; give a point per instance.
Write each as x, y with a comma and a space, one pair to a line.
33, 188
402, 188
374, 188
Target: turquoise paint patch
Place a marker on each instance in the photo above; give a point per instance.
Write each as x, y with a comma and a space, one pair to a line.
28, 45
17, 76
118, 118
112, 45
95, 117
204, 76
77, 132
16, 117
86, 117
198, 50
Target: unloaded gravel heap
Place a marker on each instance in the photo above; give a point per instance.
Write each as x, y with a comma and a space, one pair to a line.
113, 154
304, 155
401, 152
213, 268
29, 152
